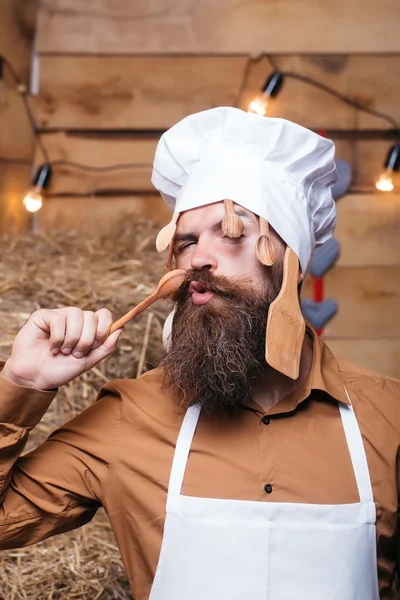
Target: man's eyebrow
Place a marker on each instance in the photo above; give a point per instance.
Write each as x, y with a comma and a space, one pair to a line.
244, 213
239, 213
191, 235
185, 237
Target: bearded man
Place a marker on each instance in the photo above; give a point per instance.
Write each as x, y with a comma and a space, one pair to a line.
223, 477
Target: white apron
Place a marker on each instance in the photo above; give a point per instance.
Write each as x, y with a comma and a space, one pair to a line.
216, 549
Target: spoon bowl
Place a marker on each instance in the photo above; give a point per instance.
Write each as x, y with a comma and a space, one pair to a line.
166, 234
265, 248
265, 251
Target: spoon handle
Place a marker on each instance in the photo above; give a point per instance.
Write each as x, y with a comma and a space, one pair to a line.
264, 228
136, 310
267, 253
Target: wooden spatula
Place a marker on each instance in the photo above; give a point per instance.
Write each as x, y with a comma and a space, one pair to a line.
285, 324
170, 254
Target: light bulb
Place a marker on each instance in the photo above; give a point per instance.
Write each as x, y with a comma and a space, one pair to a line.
258, 106
384, 183
33, 200
270, 89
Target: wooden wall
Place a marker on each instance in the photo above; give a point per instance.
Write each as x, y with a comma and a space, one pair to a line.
17, 27
209, 26
112, 76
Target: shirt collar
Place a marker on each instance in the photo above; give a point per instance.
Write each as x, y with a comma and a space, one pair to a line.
324, 376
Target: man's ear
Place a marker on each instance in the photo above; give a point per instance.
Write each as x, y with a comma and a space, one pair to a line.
300, 282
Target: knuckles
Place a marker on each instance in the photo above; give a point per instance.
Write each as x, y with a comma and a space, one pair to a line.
75, 327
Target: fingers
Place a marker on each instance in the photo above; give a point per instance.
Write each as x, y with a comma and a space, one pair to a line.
52, 323
74, 324
73, 331
95, 328
104, 322
85, 340
107, 348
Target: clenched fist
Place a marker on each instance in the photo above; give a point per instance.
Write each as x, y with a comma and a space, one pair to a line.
55, 346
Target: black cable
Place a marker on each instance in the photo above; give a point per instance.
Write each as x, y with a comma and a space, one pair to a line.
290, 74
22, 90
22, 161
243, 83
76, 165
272, 62
342, 97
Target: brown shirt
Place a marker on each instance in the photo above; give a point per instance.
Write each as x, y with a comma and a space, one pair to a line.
118, 454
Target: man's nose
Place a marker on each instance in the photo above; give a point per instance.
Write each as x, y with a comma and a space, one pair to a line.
204, 257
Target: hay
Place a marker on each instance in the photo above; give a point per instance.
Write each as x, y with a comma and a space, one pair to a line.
90, 271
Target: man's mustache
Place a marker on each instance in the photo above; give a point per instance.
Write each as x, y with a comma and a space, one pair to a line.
219, 284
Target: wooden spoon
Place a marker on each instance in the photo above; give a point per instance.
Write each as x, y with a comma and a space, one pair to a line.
167, 233
285, 324
166, 287
232, 225
170, 254
265, 248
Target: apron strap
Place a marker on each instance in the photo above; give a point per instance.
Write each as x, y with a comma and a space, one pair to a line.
357, 451
182, 450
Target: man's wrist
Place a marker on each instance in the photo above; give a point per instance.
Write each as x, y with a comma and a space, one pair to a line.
23, 406
7, 373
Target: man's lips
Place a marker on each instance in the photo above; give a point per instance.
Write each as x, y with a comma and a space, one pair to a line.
199, 293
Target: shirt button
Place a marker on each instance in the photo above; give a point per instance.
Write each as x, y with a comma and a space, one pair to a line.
265, 420
268, 488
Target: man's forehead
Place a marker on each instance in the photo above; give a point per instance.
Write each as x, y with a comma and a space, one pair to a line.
213, 211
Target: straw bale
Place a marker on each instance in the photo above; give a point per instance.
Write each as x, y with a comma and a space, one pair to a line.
50, 270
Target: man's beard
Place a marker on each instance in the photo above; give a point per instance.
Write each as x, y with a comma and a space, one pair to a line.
218, 349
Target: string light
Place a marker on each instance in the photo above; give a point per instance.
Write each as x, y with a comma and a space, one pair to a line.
33, 199
270, 89
274, 83
392, 163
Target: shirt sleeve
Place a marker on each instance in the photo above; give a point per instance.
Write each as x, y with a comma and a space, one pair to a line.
59, 485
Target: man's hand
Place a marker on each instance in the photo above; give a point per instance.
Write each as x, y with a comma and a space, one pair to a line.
55, 346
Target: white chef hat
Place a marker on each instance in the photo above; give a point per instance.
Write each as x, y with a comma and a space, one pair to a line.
273, 167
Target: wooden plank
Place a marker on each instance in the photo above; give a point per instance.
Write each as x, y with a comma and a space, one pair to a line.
130, 92
16, 140
16, 137
127, 92
100, 152
17, 27
14, 182
370, 80
368, 298
142, 27
102, 214
381, 355
368, 229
